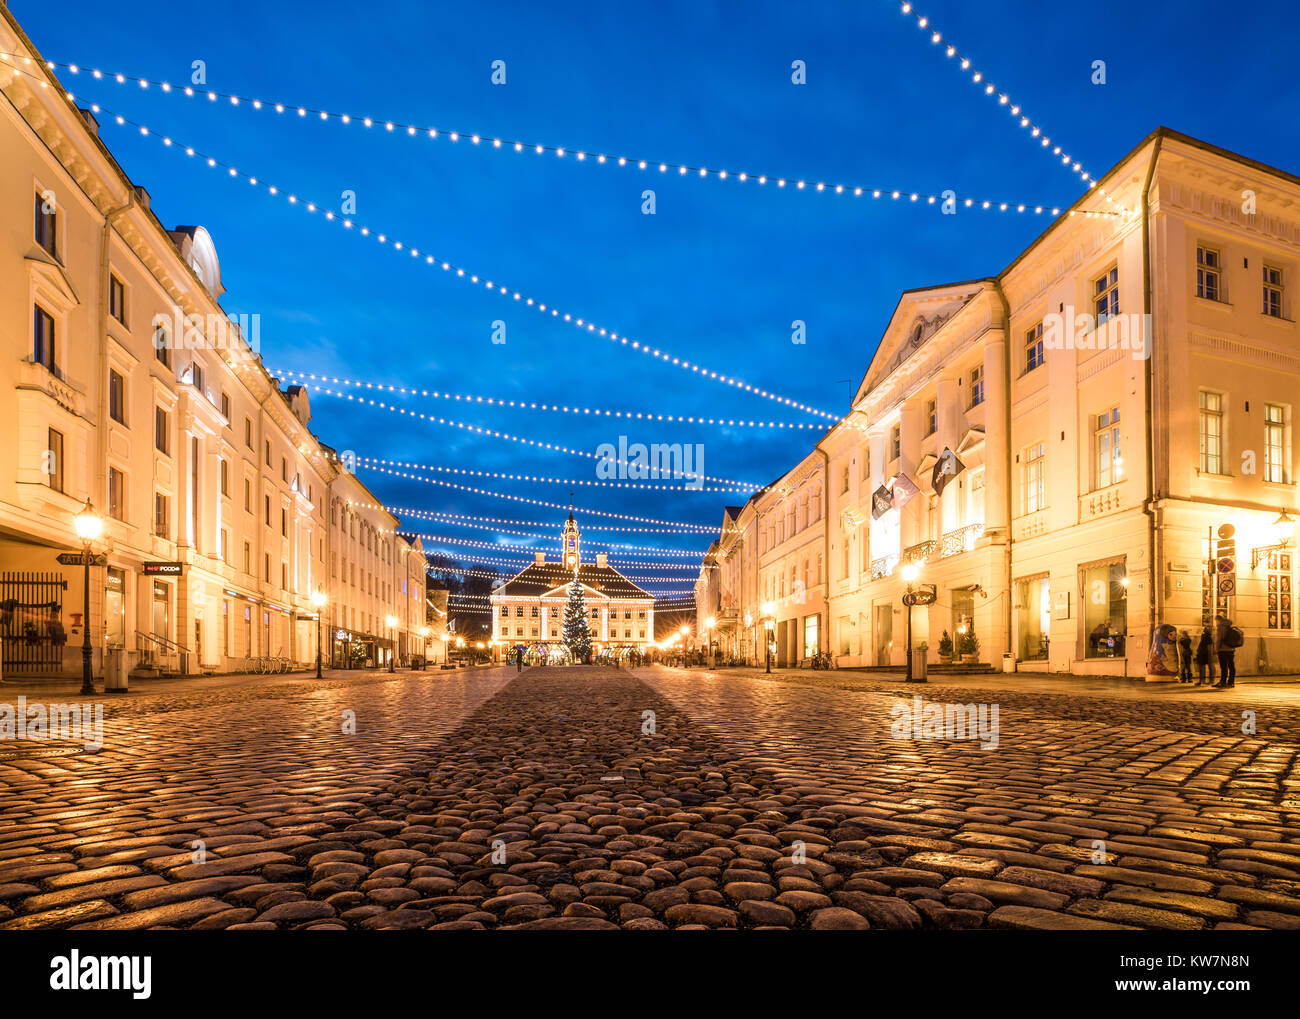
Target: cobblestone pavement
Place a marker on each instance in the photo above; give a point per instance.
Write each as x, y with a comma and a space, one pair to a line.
594, 798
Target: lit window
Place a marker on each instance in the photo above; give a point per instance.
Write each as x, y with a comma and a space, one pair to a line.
1106, 448
1034, 347
1208, 269
1275, 466
1272, 291
1106, 295
1211, 433
1035, 459
977, 386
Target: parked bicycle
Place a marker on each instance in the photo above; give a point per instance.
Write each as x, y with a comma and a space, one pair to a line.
823, 660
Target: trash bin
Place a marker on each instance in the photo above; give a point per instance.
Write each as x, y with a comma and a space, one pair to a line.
115, 671
918, 663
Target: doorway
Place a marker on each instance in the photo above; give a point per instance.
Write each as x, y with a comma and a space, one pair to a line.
884, 633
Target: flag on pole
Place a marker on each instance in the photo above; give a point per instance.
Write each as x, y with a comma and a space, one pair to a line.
946, 468
903, 490
881, 502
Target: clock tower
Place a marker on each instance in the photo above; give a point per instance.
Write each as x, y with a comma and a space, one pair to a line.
570, 541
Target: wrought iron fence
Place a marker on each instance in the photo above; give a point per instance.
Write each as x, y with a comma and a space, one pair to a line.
31, 622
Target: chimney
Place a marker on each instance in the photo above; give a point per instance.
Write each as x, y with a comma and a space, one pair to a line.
142, 196
602, 559
541, 557
90, 120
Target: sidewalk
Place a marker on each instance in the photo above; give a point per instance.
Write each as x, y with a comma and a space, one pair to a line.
62, 688
1253, 689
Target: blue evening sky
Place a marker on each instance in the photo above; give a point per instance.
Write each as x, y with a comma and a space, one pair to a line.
723, 268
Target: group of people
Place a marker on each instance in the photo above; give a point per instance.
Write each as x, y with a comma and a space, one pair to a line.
1222, 644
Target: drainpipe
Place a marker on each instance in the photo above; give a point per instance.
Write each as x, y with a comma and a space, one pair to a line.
1154, 598
101, 416
1006, 424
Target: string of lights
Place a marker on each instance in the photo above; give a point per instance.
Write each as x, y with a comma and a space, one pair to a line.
599, 483
469, 520
744, 486
686, 570
662, 167
514, 498
494, 575
530, 549
978, 77
432, 518
580, 323
308, 378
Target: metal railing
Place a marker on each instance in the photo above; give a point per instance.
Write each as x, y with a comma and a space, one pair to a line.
961, 539
161, 653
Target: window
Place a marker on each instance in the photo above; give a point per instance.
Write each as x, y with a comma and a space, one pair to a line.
1035, 458
519, 610
977, 386
116, 494
47, 221
931, 417
1105, 609
266, 566
266, 503
162, 431
162, 345
895, 443
116, 298
224, 472
43, 340
1279, 590
1208, 269
866, 465
844, 486
1275, 465
284, 522
248, 558
1106, 449
1272, 291
248, 432
225, 406
161, 515
54, 460
225, 545
1211, 433
116, 397
1106, 295
196, 376
268, 452
284, 469
1034, 347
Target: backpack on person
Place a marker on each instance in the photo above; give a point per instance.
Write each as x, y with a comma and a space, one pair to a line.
1234, 638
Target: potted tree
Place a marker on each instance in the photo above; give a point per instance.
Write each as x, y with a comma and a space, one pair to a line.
968, 645
945, 649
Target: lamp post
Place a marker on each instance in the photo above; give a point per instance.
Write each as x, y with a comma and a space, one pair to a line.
318, 599
910, 572
685, 631
749, 622
424, 647
711, 622
392, 651
89, 526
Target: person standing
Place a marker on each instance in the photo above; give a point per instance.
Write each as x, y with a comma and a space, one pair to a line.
1227, 638
1184, 657
1205, 659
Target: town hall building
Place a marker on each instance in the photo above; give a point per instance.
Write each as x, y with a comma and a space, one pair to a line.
528, 609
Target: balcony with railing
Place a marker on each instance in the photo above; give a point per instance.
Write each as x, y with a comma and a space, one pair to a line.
884, 566
919, 552
960, 540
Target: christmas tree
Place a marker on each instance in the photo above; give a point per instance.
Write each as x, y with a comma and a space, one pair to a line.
577, 629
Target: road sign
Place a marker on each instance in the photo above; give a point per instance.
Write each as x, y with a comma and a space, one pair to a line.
1226, 564
1228, 584
78, 559
919, 598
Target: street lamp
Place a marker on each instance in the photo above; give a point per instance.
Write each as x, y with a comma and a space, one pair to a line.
424, 646
910, 572
318, 599
711, 622
89, 527
769, 627
392, 651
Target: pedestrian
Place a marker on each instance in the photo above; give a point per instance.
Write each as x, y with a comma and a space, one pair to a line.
1227, 639
1205, 659
1184, 657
